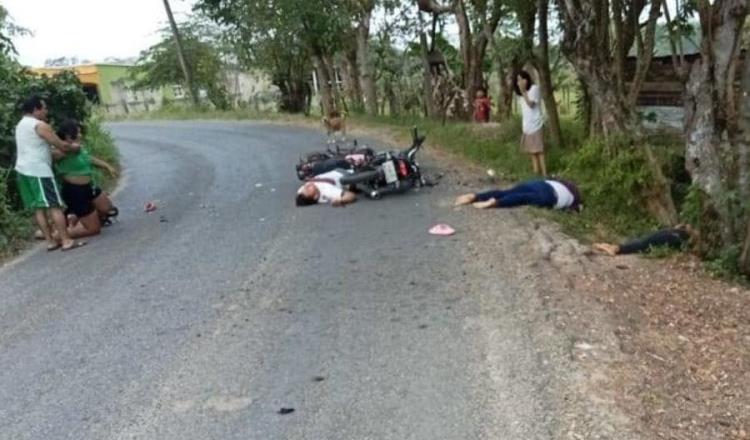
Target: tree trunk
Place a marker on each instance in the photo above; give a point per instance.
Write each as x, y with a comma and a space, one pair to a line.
545, 76
338, 101
646, 54
702, 150
505, 95
354, 89
660, 201
324, 80
712, 136
366, 70
393, 104
611, 116
586, 43
429, 103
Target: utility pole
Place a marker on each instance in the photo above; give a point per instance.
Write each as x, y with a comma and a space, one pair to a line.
181, 54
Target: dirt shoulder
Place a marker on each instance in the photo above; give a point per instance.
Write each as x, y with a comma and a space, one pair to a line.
652, 348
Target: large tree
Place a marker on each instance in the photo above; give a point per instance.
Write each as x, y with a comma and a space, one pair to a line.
477, 21
316, 29
597, 37
159, 66
717, 128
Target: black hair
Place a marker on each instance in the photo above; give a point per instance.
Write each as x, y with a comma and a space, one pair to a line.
525, 75
33, 102
70, 128
303, 200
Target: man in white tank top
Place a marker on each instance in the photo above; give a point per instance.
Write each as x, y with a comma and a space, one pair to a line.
35, 144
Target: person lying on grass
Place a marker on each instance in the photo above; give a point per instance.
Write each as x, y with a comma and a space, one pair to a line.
325, 188
88, 206
677, 238
549, 193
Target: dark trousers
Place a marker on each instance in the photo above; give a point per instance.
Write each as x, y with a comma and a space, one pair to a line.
534, 192
671, 238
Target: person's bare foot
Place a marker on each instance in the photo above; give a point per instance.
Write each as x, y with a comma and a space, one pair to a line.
491, 203
465, 199
609, 249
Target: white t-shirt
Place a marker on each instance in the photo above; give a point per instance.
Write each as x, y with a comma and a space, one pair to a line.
34, 157
329, 192
565, 198
532, 117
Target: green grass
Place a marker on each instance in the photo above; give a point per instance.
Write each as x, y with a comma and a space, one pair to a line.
176, 112
101, 145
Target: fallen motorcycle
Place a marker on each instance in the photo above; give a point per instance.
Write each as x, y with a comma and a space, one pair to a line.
390, 172
316, 163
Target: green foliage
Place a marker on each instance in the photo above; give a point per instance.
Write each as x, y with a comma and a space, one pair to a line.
101, 145
159, 66
13, 224
280, 36
63, 94
725, 263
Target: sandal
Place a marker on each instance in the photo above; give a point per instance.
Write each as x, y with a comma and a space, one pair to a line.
111, 214
53, 247
75, 245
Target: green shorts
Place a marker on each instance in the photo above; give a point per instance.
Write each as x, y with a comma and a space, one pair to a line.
39, 192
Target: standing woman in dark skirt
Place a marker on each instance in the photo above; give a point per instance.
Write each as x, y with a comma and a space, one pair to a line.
532, 141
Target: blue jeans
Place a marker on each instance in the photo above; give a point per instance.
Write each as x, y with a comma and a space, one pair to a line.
534, 192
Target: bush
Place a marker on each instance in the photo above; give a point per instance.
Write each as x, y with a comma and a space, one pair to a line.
100, 144
612, 181
12, 223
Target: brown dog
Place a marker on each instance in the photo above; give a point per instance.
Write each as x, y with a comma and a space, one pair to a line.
335, 124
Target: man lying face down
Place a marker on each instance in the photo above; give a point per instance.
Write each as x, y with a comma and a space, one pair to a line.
325, 188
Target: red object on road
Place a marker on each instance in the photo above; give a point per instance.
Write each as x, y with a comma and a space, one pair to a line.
149, 207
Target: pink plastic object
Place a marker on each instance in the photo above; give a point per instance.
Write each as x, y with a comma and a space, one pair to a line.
442, 229
149, 207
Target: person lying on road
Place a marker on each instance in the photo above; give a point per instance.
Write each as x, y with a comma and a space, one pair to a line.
325, 188
87, 203
550, 193
677, 238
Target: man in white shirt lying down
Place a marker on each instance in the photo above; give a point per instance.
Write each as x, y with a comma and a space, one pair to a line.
325, 188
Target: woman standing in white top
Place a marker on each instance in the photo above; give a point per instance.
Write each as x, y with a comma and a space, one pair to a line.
532, 141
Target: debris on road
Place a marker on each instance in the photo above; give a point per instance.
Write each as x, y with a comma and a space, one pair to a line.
150, 206
284, 411
442, 229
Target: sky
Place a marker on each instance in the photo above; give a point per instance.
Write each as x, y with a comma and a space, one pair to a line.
88, 29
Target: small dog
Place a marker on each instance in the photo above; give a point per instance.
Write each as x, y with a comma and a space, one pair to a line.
335, 125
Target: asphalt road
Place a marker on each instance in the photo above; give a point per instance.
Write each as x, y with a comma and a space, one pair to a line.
202, 319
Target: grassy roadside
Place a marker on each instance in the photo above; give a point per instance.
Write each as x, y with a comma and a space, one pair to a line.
179, 113
16, 226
